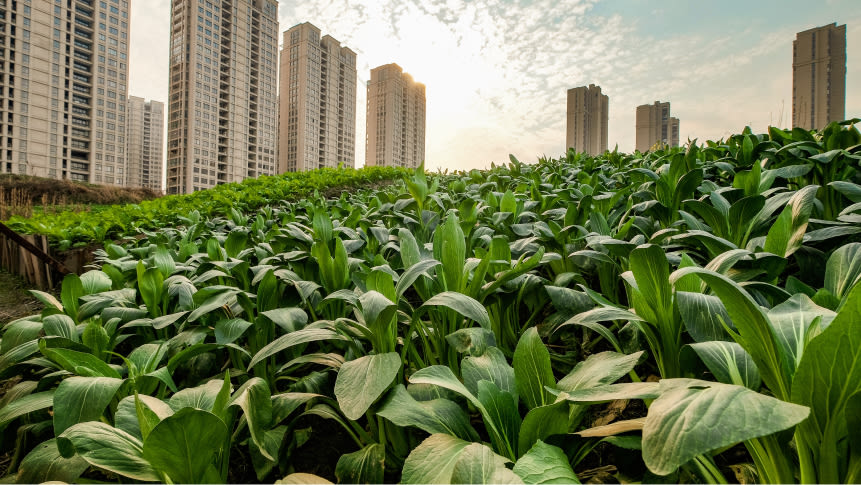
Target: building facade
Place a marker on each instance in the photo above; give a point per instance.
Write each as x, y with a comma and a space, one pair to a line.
145, 139
317, 122
819, 77
63, 89
655, 126
222, 105
395, 125
588, 113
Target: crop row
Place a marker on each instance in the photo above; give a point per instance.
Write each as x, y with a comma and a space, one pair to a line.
471, 328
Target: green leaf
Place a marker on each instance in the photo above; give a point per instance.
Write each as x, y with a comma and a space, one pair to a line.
80, 399
434, 416
532, 370
292, 339
364, 466
491, 366
433, 460
462, 304
693, 417
227, 331
542, 422
163, 261
787, 232
72, 290
127, 416
599, 369
412, 274
362, 381
729, 363
151, 287
472, 340
25, 405
302, 478
479, 464
20, 332
449, 247
202, 397
256, 403
703, 316
78, 362
791, 321
545, 464
651, 270
611, 392
185, 444
843, 269
501, 409
289, 319
107, 448
827, 377
95, 281
44, 464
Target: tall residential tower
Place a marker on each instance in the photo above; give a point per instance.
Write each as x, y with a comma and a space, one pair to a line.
588, 112
144, 137
63, 89
655, 126
395, 127
317, 122
222, 107
819, 76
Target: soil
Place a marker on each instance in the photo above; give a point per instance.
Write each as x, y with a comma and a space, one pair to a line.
15, 301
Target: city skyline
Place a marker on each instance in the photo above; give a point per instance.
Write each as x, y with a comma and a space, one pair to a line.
515, 63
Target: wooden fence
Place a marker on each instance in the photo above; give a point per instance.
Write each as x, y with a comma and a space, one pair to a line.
31, 258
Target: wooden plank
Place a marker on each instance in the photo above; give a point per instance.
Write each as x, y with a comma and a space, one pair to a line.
24, 244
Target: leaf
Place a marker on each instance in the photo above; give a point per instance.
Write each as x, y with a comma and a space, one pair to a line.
611, 392
500, 408
651, 270
126, 417
827, 377
45, 464
693, 417
545, 463
542, 422
471, 340
202, 397
462, 304
787, 232
479, 464
364, 466
412, 274
599, 369
729, 363
791, 321
25, 405
302, 478
843, 269
78, 362
80, 399
289, 319
227, 331
491, 366
151, 288
434, 416
256, 403
362, 381
703, 315
292, 339
433, 460
72, 290
95, 281
185, 444
532, 370
107, 448
449, 247
614, 428
59, 325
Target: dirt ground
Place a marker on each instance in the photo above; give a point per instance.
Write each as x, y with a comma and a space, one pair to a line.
15, 300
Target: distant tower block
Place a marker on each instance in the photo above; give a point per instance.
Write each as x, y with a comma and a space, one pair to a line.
819, 77
588, 112
655, 126
395, 125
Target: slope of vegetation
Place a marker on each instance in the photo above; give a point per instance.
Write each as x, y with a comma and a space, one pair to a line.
74, 228
469, 329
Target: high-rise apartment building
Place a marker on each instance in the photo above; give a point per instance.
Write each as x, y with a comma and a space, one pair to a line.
819, 76
588, 112
655, 126
395, 127
144, 140
222, 107
63, 88
317, 123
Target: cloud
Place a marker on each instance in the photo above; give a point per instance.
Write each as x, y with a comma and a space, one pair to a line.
497, 71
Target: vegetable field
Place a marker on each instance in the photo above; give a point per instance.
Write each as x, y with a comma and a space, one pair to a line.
689, 315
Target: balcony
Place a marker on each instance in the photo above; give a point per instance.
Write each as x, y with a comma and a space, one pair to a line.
83, 23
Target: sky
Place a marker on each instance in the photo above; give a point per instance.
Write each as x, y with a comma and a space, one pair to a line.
497, 71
